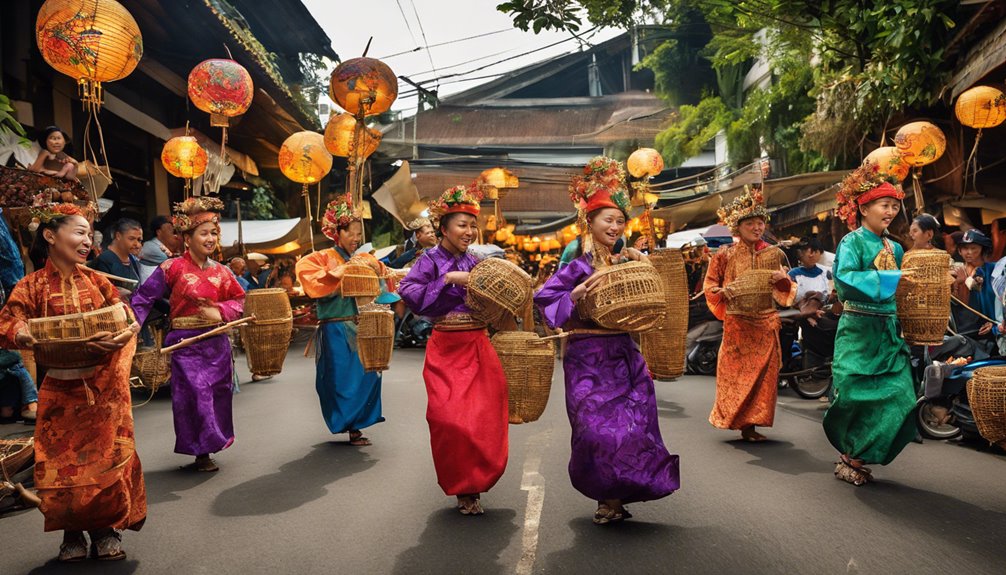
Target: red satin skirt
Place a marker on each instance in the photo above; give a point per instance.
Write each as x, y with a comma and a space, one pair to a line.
467, 411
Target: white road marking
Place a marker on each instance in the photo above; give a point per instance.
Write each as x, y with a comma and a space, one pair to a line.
534, 484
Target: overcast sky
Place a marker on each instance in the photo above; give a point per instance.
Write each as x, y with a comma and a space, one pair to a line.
350, 23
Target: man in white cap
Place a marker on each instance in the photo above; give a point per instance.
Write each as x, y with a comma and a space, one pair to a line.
258, 272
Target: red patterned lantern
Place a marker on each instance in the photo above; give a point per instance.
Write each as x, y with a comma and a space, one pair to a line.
183, 157
92, 41
645, 162
920, 143
340, 133
364, 86
222, 88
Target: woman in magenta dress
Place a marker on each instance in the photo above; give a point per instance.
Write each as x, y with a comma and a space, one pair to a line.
202, 294
618, 455
467, 409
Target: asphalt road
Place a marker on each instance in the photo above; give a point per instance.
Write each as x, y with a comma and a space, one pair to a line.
291, 498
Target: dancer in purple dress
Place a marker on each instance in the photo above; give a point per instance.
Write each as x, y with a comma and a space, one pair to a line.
618, 455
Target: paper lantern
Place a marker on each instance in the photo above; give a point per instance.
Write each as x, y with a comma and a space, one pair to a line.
339, 135
645, 162
500, 178
363, 86
981, 107
183, 157
889, 161
222, 88
304, 159
920, 143
92, 41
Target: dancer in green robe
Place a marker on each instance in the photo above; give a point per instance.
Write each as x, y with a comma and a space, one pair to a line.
870, 419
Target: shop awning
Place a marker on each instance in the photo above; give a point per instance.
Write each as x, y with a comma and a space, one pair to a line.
267, 236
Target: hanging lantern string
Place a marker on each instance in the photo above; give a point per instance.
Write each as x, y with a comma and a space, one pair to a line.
972, 164
307, 210
317, 207
89, 150
917, 190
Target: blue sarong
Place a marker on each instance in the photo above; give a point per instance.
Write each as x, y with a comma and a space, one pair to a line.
350, 397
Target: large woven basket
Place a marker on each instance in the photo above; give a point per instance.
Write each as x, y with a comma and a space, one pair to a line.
359, 280
987, 396
15, 454
498, 290
627, 297
267, 304
375, 337
752, 293
528, 363
266, 343
152, 368
924, 302
663, 347
61, 339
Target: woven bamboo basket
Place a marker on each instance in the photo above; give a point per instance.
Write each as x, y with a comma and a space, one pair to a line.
60, 338
28, 358
924, 303
528, 363
266, 343
15, 454
663, 347
497, 290
375, 337
359, 280
268, 304
152, 368
628, 297
752, 293
987, 396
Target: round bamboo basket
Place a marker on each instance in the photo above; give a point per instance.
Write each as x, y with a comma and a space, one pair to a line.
924, 302
497, 290
15, 454
359, 280
60, 339
266, 343
628, 297
752, 293
528, 363
987, 396
375, 337
663, 347
152, 367
268, 304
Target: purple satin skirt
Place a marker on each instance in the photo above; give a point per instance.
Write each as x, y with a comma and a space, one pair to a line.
617, 450
201, 393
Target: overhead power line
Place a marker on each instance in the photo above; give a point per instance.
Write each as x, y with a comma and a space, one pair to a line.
455, 41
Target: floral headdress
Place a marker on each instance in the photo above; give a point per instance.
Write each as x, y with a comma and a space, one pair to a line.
459, 199
602, 185
863, 185
339, 213
750, 204
418, 223
195, 212
43, 214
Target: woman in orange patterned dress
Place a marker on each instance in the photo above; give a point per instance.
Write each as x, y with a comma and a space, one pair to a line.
87, 472
747, 372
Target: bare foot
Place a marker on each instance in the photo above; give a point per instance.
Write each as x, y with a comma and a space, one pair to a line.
750, 435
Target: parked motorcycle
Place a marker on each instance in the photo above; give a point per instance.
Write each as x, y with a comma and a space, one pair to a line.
702, 343
806, 367
412, 331
943, 408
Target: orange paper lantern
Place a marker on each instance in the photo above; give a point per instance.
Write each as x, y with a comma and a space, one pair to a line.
183, 157
500, 178
340, 133
304, 159
920, 143
92, 41
981, 107
221, 88
364, 86
645, 162
889, 160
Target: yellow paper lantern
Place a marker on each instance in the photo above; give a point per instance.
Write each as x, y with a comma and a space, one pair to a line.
183, 157
981, 107
363, 86
920, 143
500, 178
92, 41
304, 159
889, 161
222, 88
340, 133
645, 162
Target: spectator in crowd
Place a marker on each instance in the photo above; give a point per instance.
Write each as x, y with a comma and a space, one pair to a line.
162, 245
973, 286
118, 259
238, 266
258, 272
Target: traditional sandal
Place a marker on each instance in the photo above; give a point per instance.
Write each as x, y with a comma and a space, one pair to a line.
357, 439
108, 547
850, 474
73, 551
470, 505
201, 464
752, 436
605, 515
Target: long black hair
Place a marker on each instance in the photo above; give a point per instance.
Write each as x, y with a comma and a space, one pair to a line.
38, 253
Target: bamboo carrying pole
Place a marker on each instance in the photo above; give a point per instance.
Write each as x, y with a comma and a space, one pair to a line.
191, 340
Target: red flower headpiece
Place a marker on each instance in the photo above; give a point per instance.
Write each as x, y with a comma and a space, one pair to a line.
863, 185
459, 199
338, 214
602, 185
